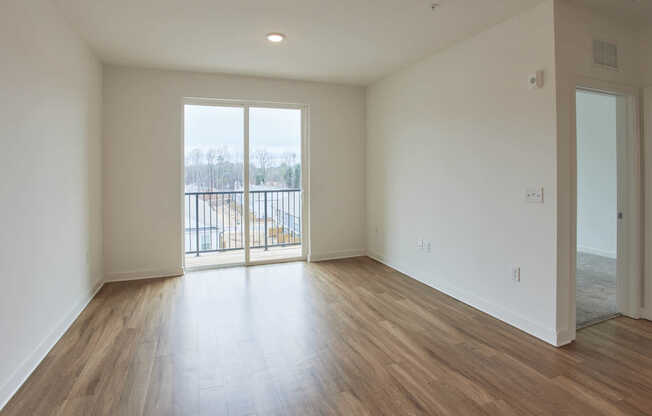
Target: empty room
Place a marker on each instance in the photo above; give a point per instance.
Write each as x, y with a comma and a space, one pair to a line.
353, 207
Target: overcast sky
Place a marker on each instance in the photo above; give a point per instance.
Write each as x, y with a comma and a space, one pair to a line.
276, 130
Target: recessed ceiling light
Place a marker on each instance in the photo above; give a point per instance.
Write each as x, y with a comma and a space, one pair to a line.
275, 37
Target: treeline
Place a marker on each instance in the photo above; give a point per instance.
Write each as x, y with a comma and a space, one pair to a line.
279, 176
214, 170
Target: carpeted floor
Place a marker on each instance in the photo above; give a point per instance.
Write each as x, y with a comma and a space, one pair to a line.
596, 289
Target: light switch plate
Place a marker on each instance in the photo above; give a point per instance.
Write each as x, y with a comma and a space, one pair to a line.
534, 195
516, 274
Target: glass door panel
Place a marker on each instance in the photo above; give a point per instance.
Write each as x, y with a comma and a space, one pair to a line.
275, 221
214, 178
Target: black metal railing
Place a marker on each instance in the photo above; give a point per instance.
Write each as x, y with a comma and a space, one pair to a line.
215, 220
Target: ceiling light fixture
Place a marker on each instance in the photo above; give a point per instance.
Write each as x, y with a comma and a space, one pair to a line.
275, 37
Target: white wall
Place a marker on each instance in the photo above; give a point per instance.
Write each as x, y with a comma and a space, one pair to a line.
453, 142
50, 165
578, 26
575, 28
645, 49
597, 174
143, 161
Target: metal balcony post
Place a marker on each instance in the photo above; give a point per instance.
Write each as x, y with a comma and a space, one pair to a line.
265, 220
197, 222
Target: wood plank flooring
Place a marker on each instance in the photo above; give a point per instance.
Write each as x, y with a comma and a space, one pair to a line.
348, 337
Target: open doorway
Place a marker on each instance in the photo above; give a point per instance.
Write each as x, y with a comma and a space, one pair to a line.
599, 129
238, 213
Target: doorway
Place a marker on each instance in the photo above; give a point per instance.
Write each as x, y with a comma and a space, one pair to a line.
600, 122
238, 213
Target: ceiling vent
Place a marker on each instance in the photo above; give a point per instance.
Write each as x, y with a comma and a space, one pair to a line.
605, 54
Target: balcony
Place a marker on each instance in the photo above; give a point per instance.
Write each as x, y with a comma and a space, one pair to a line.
214, 226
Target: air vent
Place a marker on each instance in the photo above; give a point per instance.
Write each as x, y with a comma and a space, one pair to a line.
605, 54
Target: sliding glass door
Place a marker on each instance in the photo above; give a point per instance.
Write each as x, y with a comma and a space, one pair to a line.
237, 213
214, 185
275, 183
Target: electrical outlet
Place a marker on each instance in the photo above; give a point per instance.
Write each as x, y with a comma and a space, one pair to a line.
420, 244
516, 274
534, 195
428, 246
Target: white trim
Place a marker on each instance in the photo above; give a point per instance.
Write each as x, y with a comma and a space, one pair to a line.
142, 274
245, 190
29, 364
241, 264
564, 337
630, 259
645, 313
336, 255
276, 261
305, 181
647, 158
226, 102
597, 252
305, 174
630, 191
217, 266
182, 183
499, 312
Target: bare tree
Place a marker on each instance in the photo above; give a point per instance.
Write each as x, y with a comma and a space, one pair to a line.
211, 160
264, 160
222, 158
289, 158
197, 157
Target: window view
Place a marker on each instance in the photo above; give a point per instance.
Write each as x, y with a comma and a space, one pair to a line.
214, 202
275, 182
214, 165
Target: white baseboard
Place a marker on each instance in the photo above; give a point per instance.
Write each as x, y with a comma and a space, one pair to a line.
597, 252
646, 313
564, 337
142, 274
510, 317
25, 369
335, 255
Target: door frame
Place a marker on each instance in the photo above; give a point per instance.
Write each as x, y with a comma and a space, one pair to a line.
630, 260
646, 310
305, 177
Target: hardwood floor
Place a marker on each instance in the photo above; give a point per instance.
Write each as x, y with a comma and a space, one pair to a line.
343, 337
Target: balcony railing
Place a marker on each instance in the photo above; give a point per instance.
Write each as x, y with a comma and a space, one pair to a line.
215, 220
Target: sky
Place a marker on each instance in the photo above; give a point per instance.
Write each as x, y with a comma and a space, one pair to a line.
274, 129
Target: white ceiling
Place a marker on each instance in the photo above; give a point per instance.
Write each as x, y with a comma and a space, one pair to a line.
345, 41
